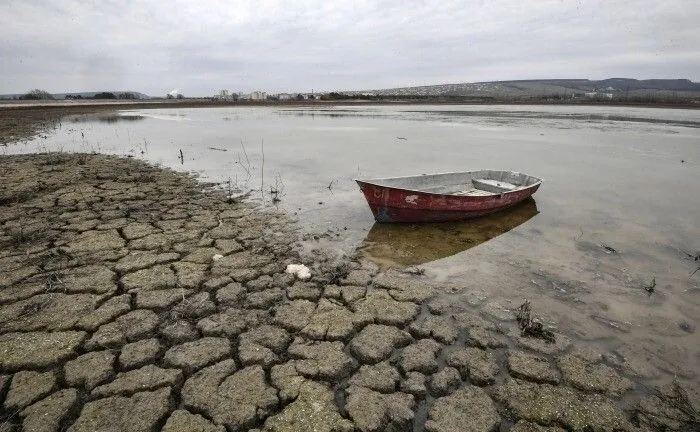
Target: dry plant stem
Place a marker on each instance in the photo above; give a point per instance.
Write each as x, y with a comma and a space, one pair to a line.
262, 170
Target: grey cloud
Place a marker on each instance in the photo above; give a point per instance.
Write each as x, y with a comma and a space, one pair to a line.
202, 46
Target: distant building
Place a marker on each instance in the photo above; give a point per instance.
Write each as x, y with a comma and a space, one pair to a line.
284, 96
258, 95
224, 94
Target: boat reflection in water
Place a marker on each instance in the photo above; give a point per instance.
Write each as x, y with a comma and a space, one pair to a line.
391, 245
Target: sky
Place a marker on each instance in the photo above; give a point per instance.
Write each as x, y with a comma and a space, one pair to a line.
200, 47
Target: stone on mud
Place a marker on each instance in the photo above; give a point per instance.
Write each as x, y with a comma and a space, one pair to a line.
264, 299
193, 307
97, 279
28, 387
157, 277
184, 421
139, 413
405, 287
191, 356
236, 400
93, 241
671, 407
314, 409
373, 412
466, 410
304, 291
238, 261
126, 328
47, 414
37, 349
179, 332
149, 377
414, 384
526, 426
108, 311
593, 377
138, 260
294, 315
189, 275
230, 323
381, 377
53, 311
286, 380
136, 230
203, 255
474, 363
444, 382
261, 345
359, 278
420, 356
321, 360
376, 343
484, 338
331, 321
547, 404
439, 327
352, 293
137, 354
231, 294
532, 368
383, 309
538, 345
90, 369
160, 299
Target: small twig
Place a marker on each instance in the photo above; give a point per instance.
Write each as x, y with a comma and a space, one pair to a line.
608, 249
262, 169
330, 186
182, 158
694, 256
693, 272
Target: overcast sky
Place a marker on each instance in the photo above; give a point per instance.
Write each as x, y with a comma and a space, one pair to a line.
202, 46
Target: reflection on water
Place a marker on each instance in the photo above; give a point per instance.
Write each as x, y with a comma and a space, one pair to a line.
106, 118
412, 244
497, 117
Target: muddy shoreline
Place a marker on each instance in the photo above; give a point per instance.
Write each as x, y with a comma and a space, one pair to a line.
127, 287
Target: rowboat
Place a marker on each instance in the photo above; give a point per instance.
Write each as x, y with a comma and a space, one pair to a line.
446, 197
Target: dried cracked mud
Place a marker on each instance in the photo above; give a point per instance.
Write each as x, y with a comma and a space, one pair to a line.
133, 298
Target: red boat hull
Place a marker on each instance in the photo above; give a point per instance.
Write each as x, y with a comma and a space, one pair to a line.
390, 204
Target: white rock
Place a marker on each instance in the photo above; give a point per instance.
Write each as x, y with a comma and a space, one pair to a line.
299, 270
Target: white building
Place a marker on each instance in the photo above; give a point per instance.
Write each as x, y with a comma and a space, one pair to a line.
284, 96
258, 95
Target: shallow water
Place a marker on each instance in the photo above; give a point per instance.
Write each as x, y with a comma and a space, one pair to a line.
626, 178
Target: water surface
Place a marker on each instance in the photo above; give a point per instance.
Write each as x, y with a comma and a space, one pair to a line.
615, 178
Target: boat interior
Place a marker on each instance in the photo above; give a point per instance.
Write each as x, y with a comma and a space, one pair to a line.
473, 183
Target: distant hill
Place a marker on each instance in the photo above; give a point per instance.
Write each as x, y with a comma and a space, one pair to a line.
83, 95
611, 88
